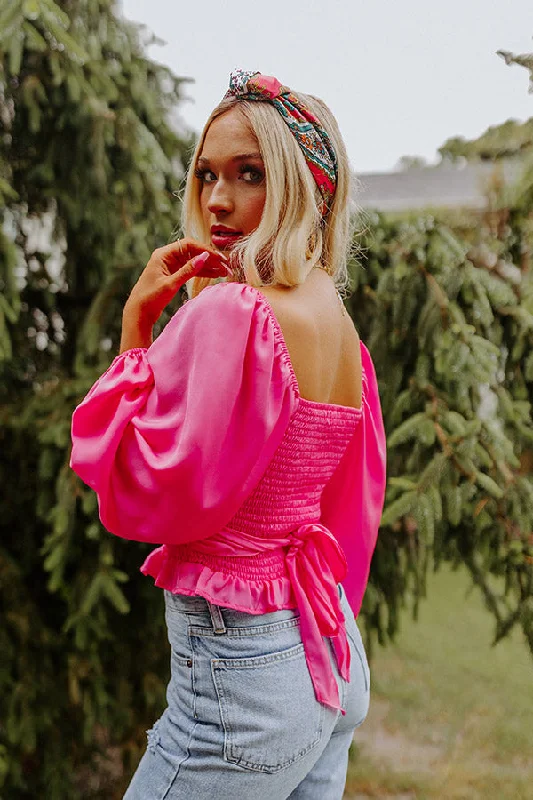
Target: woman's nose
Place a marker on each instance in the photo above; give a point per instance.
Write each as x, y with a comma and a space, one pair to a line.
220, 198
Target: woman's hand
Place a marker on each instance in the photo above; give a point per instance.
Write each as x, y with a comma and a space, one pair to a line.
168, 269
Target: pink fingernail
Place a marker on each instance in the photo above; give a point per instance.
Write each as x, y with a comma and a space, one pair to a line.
202, 258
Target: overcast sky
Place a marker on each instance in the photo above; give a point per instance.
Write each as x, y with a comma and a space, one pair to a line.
401, 77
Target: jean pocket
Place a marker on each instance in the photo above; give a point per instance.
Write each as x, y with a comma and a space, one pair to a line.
269, 712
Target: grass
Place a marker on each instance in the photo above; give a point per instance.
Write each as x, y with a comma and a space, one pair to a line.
450, 715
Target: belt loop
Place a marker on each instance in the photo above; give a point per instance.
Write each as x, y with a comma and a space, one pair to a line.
217, 620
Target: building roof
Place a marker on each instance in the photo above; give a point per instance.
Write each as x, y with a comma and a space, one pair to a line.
446, 185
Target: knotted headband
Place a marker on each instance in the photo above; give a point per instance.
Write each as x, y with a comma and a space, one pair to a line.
311, 137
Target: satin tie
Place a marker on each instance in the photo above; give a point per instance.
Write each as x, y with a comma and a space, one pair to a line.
316, 564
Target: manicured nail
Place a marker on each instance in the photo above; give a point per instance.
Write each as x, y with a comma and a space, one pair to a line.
201, 259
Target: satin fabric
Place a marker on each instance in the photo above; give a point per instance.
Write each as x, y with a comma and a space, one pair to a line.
316, 564
173, 439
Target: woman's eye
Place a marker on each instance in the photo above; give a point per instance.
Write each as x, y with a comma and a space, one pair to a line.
205, 175
252, 175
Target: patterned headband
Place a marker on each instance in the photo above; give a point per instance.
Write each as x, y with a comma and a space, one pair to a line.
304, 126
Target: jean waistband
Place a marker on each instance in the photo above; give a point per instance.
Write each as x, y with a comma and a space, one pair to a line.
186, 604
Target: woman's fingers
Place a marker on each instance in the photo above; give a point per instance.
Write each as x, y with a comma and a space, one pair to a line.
204, 265
207, 263
169, 268
177, 254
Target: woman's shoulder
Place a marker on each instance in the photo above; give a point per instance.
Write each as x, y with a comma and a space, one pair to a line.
239, 308
231, 313
233, 301
224, 296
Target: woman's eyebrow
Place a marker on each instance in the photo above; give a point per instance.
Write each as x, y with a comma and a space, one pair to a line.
242, 157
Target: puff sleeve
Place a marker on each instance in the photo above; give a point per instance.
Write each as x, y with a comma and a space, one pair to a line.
173, 438
352, 500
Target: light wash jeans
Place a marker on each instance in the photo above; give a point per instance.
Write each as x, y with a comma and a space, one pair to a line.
242, 721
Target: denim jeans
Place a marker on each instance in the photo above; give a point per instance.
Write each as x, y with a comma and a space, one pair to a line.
242, 719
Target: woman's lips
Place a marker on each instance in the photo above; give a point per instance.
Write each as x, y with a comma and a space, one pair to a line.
224, 240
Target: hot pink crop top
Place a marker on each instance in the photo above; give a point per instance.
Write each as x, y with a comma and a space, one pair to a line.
262, 500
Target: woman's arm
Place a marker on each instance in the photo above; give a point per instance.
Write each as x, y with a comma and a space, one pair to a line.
167, 270
136, 329
174, 437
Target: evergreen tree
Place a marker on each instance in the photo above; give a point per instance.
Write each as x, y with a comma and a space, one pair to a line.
446, 306
449, 320
89, 165
510, 139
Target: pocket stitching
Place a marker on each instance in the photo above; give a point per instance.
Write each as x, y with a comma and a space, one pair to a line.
231, 751
181, 660
258, 661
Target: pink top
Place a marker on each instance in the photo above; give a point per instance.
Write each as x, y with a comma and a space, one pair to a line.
262, 500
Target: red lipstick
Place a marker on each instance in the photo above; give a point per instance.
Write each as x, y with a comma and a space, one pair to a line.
223, 237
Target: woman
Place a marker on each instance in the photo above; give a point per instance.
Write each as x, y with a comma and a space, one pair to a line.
248, 441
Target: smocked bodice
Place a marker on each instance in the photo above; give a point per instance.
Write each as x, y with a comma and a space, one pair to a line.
289, 492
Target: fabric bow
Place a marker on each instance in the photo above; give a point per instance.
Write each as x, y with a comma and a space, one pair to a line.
315, 563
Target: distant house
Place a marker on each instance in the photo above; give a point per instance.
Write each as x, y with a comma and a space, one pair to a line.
448, 185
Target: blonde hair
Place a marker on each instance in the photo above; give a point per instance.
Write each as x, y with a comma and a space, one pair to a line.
292, 236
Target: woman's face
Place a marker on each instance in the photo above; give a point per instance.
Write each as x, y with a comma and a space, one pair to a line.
233, 183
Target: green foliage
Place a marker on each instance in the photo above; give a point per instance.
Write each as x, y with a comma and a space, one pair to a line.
90, 151
524, 60
451, 332
89, 164
509, 139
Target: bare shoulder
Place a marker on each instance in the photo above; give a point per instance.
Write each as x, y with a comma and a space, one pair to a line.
323, 342
297, 310
287, 307
274, 294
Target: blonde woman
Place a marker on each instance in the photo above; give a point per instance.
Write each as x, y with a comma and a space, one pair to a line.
247, 442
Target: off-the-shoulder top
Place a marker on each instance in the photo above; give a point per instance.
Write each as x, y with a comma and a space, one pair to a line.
260, 499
